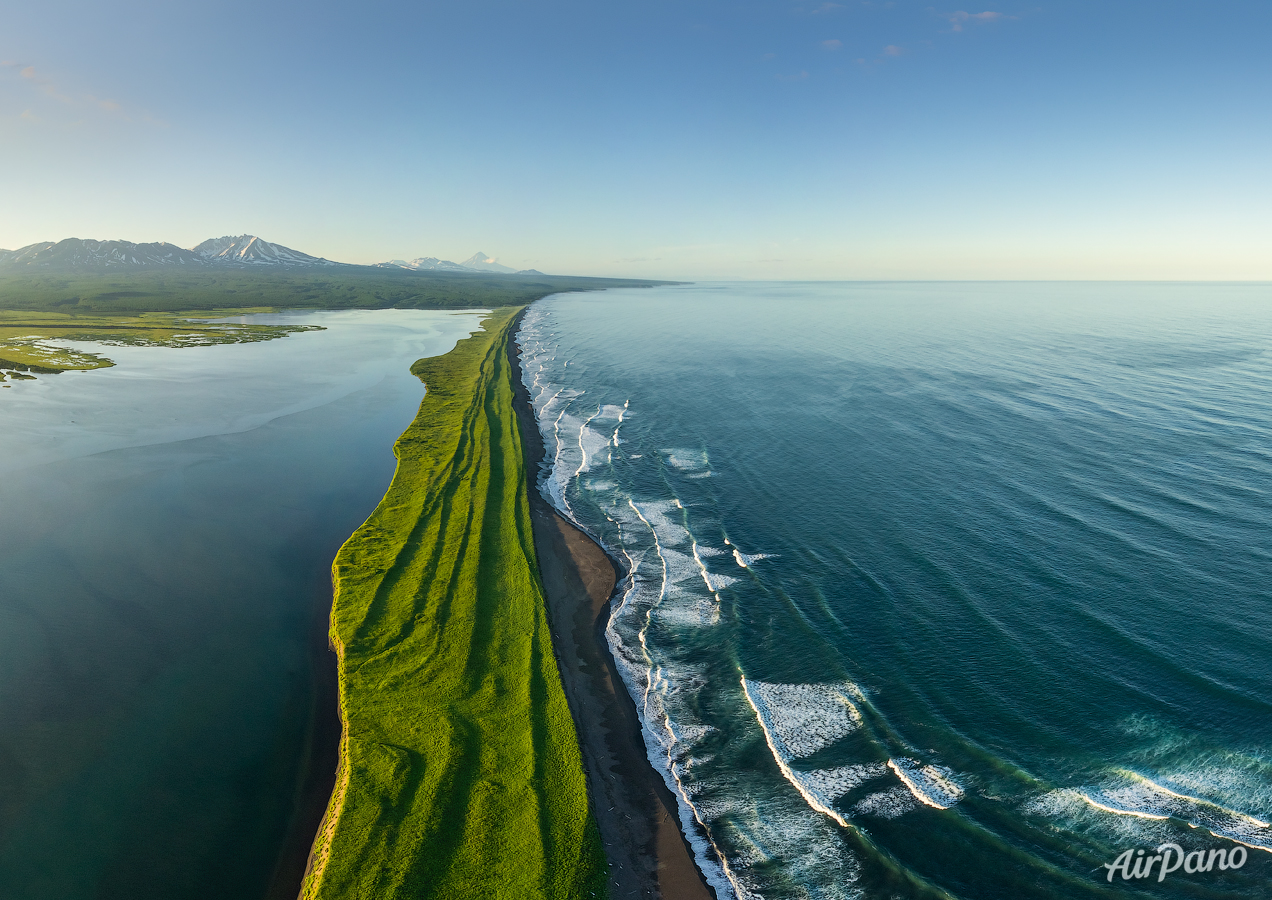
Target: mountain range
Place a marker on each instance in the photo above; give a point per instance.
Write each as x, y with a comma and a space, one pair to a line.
240, 252
478, 262
74, 253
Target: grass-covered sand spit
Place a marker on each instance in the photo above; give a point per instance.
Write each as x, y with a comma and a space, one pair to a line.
460, 772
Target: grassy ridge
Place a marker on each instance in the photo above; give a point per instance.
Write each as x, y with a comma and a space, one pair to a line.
460, 773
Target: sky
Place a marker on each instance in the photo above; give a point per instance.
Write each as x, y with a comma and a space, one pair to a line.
759, 139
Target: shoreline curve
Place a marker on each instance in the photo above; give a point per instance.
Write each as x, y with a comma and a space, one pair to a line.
637, 814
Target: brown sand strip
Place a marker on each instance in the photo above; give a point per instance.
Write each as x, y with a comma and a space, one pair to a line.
648, 855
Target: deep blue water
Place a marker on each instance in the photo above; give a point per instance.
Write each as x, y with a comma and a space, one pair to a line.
938, 589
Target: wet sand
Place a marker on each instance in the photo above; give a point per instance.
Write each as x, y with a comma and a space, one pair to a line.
635, 811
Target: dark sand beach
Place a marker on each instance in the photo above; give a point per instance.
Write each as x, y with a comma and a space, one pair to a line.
648, 855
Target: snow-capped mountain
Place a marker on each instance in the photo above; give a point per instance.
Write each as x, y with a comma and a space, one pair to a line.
74, 253
239, 252
229, 252
249, 250
478, 262
424, 262
483, 263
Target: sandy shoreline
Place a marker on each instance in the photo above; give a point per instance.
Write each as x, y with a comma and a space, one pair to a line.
635, 811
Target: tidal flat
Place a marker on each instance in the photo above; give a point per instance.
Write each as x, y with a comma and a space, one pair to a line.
166, 533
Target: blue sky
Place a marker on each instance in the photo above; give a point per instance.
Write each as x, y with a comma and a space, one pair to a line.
690, 139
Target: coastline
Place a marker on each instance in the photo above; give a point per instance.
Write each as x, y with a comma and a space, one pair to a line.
316, 779
637, 815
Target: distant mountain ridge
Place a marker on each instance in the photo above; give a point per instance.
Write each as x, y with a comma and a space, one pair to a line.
243, 251
424, 262
478, 262
74, 253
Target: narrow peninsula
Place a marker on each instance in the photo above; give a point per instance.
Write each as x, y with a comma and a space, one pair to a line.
460, 773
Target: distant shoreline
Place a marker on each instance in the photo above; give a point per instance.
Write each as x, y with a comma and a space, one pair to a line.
637, 815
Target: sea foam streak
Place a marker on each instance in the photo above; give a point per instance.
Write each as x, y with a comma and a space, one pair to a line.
931, 785
804, 718
746, 560
777, 729
644, 589
1133, 794
670, 588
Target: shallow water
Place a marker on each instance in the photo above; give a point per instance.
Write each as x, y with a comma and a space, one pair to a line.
939, 589
166, 534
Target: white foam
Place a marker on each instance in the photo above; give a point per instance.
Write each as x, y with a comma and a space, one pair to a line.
656, 514
745, 560
780, 754
1070, 810
931, 785
829, 785
1129, 793
687, 460
592, 445
804, 718
664, 589
887, 804
715, 583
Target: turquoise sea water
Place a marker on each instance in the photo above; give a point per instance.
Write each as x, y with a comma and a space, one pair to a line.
938, 590
167, 528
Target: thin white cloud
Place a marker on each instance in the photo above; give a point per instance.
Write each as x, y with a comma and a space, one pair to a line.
958, 19
832, 44
32, 80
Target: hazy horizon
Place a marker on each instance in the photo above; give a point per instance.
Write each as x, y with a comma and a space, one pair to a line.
765, 140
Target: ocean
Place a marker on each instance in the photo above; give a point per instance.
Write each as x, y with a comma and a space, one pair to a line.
936, 590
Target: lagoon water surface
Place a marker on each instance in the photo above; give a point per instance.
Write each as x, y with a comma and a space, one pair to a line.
167, 528
939, 590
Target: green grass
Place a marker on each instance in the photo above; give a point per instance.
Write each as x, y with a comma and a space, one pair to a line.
25, 335
460, 774
139, 306
344, 287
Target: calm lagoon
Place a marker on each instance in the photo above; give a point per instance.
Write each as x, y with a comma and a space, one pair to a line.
166, 533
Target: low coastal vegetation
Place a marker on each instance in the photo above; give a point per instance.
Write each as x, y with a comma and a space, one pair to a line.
337, 287
29, 341
460, 772
164, 307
